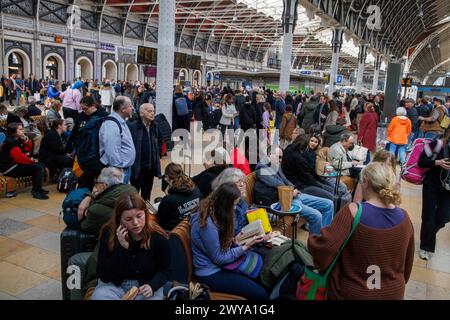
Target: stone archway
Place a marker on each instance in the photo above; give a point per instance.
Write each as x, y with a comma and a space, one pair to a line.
131, 72
197, 78
54, 62
109, 70
84, 68
20, 63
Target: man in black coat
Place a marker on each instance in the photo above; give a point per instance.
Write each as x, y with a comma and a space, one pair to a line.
148, 144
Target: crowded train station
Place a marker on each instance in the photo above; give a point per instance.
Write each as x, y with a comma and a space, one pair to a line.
254, 150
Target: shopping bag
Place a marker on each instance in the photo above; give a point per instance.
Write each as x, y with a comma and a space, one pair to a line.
359, 153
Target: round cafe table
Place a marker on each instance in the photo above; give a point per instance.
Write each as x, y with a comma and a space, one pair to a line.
295, 212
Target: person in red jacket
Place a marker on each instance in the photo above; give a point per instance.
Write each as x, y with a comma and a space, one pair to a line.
14, 161
367, 134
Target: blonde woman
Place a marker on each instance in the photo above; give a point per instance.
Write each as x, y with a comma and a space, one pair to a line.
381, 250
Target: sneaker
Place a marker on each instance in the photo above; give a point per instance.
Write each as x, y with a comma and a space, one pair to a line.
43, 191
424, 255
38, 195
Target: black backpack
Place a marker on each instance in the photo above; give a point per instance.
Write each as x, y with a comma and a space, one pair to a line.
88, 144
67, 181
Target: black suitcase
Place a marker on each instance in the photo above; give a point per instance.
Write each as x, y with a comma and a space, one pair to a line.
73, 242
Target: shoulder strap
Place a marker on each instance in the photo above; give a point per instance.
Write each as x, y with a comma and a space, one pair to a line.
355, 224
115, 120
433, 153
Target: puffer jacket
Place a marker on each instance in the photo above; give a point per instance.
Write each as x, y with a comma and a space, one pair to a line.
307, 113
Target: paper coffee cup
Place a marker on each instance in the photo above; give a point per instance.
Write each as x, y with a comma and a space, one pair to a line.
285, 194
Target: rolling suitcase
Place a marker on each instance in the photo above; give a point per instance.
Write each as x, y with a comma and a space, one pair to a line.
73, 242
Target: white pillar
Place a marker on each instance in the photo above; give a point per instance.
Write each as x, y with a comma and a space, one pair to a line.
376, 74
166, 51
70, 60
285, 73
361, 62
38, 64
336, 45
289, 22
98, 62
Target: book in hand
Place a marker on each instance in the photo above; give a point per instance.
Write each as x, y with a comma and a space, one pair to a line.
254, 229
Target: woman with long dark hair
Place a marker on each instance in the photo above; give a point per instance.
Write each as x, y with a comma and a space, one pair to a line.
134, 252
213, 245
296, 167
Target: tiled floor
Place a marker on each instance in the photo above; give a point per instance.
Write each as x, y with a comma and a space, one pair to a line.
29, 248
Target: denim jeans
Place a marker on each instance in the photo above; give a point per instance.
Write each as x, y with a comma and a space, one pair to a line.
431, 135
126, 175
109, 291
401, 148
236, 122
317, 211
234, 283
18, 94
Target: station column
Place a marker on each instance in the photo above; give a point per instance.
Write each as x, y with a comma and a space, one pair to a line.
289, 21
166, 51
336, 45
376, 74
361, 62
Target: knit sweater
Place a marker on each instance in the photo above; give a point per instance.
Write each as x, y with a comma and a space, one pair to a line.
392, 250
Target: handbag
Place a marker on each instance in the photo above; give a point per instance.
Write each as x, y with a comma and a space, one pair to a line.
312, 285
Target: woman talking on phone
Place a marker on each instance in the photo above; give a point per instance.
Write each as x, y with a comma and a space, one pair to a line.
133, 252
435, 196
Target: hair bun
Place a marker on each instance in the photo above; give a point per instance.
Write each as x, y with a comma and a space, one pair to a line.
390, 196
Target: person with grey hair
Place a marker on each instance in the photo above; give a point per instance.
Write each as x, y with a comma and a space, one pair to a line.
398, 133
115, 140
32, 109
96, 209
148, 142
340, 151
237, 177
